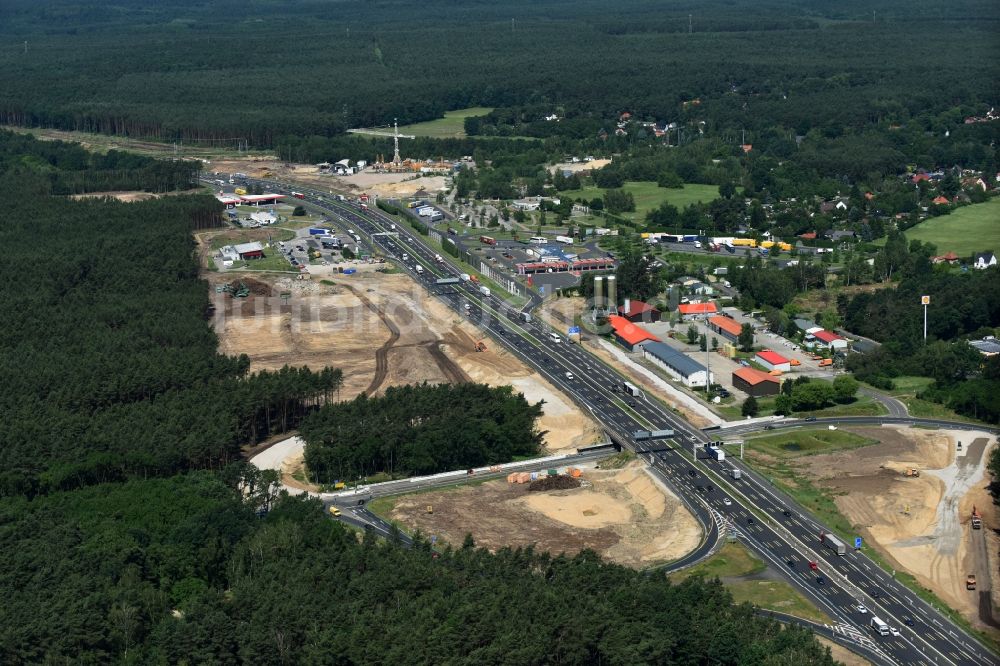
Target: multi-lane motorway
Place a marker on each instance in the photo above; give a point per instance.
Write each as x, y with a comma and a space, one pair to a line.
767, 521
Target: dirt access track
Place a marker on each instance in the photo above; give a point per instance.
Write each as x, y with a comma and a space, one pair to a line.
624, 514
922, 525
381, 330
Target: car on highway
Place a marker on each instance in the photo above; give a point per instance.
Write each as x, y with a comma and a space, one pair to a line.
693, 472
820, 580
727, 501
750, 521
908, 621
810, 418
769, 427
894, 631
814, 566
334, 511
876, 594
711, 488
791, 564
861, 608
569, 375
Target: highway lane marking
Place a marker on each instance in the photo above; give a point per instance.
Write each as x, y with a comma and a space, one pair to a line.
558, 358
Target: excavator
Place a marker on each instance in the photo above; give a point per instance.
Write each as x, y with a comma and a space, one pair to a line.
481, 346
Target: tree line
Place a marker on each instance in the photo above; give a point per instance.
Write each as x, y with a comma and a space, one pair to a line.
420, 429
112, 370
183, 570
59, 167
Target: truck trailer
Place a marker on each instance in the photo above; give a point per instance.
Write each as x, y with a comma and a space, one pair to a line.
833, 543
716, 453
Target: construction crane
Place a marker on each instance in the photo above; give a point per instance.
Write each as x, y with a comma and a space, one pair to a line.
396, 136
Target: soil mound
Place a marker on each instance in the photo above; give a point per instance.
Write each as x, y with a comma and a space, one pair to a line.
256, 287
554, 483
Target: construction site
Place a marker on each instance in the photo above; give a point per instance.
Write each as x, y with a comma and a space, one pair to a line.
920, 498
625, 514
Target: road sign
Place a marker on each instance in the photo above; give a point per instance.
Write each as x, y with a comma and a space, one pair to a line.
573, 330
857, 543
925, 300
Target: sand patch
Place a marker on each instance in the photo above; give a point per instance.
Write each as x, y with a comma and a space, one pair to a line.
579, 508
616, 513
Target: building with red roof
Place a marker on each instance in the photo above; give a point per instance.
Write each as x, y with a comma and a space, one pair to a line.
638, 311
697, 310
628, 334
940, 201
726, 327
919, 177
259, 199
756, 383
830, 340
773, 360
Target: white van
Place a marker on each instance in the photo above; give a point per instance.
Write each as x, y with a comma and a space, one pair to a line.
555, 338
569, 376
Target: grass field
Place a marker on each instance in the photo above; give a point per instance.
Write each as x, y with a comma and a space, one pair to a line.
807, 442
449, 127
649, 196
969, 229
733, 561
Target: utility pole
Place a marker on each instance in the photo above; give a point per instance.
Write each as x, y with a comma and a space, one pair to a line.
925, 301
690, 27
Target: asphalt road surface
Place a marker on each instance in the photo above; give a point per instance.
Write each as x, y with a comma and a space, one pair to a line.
770, 523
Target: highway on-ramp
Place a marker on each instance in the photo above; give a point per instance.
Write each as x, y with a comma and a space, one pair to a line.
770, 523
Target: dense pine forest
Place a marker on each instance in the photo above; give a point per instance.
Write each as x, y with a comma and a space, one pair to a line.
415, 430
132, 532
873, 85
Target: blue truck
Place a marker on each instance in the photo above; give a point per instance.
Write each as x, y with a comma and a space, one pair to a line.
316, 231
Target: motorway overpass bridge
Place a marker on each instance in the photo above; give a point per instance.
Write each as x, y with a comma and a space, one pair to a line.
770, 523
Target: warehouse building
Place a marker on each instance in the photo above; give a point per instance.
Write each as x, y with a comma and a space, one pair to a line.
242, 251
677, 364
691, 311
756, 383
628, 334
831, 341
773, 360
726, 327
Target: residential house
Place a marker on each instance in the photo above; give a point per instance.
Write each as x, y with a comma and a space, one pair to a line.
940, 201
984, 260
948, 258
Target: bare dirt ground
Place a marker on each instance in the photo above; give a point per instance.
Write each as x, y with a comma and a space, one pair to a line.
577, 167
381, 330
381, 184
920, 524
842, 654
127, 197
561, 312
623, 514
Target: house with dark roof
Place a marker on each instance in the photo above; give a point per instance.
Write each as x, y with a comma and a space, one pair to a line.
756, 383
678, 365
638, 311
984, 260
988, 346
837, 236
628, 334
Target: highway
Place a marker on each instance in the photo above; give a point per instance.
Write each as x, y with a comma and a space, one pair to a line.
768, 522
